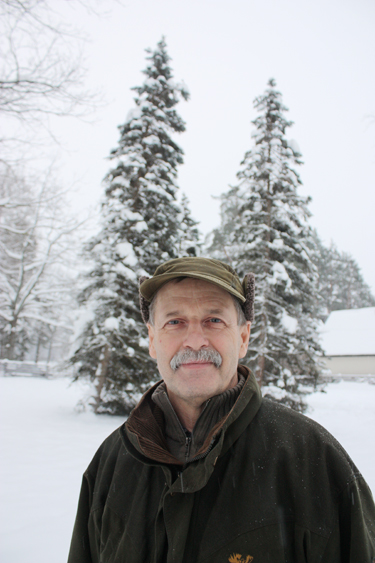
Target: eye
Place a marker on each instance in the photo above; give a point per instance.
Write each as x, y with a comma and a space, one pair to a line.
173, 322
215, 320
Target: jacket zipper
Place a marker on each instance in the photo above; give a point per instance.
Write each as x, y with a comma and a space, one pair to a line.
187, 447
201, 456
188, 439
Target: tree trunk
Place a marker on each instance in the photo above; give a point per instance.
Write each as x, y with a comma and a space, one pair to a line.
11, 344
37, 349
50, 346
261, 357
266, 270
101, 376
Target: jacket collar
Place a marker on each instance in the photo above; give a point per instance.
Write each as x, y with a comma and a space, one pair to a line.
143, 434
185, 445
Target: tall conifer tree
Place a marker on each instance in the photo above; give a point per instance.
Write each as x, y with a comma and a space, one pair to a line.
340, 281
142, 225
265, 230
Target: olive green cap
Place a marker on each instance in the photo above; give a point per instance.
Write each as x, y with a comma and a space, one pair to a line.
206, 269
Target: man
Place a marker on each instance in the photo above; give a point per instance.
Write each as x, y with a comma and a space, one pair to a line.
204, 470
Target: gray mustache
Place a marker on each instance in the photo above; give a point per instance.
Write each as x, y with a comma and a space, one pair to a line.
204, 355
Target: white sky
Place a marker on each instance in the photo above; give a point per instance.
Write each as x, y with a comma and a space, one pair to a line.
322, 57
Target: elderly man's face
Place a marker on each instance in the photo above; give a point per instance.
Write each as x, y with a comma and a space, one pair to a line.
194, 315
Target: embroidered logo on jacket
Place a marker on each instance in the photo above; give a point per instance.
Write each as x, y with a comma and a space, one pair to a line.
237, 558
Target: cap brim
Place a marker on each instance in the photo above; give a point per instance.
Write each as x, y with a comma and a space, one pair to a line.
152, 285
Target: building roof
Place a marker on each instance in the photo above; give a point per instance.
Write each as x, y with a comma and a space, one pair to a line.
350, 332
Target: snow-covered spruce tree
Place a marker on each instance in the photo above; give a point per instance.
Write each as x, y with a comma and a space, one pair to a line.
189, 236
142, 225
217, 242
270, 237
352, 290
340, 282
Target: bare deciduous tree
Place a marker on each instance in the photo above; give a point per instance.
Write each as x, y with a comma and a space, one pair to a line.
42, 71
37, 242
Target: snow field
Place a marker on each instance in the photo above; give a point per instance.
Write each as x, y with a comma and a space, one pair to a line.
46, 445
347, 410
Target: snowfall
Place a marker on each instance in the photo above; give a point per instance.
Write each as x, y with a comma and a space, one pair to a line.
47, 442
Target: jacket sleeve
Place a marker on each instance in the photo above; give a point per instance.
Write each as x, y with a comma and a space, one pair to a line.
353, 539
80, 551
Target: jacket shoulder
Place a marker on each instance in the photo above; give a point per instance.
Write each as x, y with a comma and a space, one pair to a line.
304, 444
107, 455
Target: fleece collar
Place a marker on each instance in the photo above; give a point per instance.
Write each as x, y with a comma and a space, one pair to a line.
143, 434
183, 444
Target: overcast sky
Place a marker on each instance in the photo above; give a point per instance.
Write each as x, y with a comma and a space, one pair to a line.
321, 54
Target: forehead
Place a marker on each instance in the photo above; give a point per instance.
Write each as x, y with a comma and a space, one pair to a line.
189, 292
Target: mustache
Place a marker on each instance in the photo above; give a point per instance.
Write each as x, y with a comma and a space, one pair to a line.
191, 356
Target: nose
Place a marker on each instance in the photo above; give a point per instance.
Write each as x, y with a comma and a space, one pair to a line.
195, 337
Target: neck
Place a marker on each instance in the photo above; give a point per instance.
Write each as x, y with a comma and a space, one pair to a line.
189, 410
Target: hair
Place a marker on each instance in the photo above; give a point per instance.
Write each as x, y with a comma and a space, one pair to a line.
241, 319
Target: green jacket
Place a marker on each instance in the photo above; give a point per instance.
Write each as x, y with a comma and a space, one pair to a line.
272, 486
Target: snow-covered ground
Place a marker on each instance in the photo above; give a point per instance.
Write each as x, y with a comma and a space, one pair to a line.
46, 444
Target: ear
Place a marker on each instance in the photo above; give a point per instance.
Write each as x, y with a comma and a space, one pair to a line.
144, 304
151, 337
244, 335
